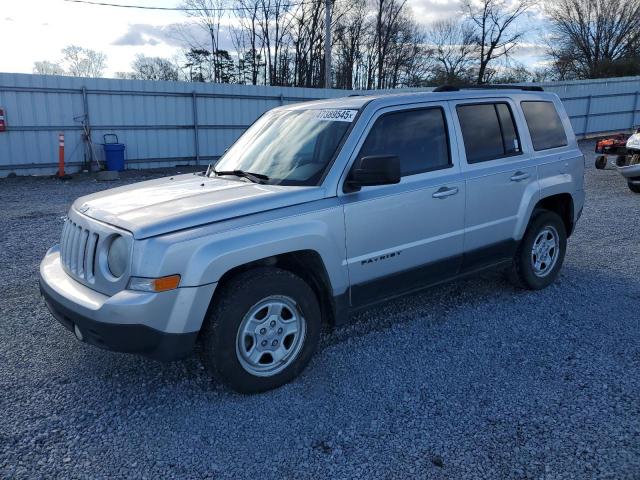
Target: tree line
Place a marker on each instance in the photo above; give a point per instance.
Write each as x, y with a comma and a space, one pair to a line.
378, 44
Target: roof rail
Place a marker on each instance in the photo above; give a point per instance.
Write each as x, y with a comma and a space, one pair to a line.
451, 88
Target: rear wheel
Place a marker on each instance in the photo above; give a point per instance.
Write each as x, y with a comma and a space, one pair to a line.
262, 330
541, 252
601, 162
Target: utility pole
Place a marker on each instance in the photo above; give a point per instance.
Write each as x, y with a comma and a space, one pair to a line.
214, 73
327, 44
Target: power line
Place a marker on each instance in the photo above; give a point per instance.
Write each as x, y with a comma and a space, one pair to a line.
141, 7
179, 9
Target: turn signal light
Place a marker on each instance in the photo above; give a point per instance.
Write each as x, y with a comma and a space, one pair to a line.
161, 284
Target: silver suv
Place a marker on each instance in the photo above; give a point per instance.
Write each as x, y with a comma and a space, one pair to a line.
318, 209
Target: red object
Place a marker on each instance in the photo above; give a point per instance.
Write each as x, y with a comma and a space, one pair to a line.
3, 122
614, 144
61, 155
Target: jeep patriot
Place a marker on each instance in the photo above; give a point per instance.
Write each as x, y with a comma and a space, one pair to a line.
318, 209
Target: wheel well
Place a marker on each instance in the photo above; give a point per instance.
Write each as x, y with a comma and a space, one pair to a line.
562, 204
308, 265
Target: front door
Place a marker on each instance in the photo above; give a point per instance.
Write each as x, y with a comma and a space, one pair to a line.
405, 236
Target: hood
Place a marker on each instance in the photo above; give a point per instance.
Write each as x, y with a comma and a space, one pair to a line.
168, 204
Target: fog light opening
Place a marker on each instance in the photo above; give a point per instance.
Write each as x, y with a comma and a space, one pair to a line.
77, 332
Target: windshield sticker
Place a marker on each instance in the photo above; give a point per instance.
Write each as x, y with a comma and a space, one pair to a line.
335, 115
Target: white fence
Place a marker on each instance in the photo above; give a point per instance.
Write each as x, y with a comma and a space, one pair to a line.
176, 123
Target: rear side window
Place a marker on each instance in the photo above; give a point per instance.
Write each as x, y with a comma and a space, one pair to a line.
489, 131
418, 137
544, 124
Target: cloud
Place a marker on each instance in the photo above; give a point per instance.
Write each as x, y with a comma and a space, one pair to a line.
144, 34
178, 35
531, 49
8, 19
427, 11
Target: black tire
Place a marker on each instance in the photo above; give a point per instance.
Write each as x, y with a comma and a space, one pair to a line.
621, 160
523, 273
635, 188
233, 301
601, 162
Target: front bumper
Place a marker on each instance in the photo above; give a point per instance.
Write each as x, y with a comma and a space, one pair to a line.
158, 325
630, 172
621, 164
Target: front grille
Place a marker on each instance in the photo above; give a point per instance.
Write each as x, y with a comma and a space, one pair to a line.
78, 248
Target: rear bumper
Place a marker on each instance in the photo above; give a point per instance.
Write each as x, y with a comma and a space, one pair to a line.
158, 325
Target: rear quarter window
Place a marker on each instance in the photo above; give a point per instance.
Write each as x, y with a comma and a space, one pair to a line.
545, 126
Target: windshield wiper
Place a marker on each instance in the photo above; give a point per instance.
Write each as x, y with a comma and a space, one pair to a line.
254, 177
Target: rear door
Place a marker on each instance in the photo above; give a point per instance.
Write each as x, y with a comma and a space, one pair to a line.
499, 175
405, 236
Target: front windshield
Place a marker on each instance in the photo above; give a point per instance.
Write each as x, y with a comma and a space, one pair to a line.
289, 147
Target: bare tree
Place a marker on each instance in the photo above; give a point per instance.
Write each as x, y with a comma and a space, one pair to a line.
495, 29
407, 58
208, 14
83, 62
48, 68
375, 43
452, 50
514, 73
152, 68
594, 38
247, 41
387, 14
350, 30
274, 24
307, 37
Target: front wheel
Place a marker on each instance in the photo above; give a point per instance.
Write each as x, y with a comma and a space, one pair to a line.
262, 330
634, 187
541, 252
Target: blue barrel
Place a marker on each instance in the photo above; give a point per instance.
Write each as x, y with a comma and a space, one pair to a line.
113, 153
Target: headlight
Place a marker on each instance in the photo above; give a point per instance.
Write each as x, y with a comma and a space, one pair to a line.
118, 256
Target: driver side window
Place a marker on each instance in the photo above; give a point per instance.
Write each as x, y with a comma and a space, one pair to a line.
418, 137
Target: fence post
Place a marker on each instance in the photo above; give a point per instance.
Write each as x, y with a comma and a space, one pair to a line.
87, 132
61, 155
586, 122
196, 140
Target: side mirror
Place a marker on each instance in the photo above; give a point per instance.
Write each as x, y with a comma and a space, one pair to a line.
374, 170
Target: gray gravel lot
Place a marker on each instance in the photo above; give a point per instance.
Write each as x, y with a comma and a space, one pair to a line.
473, 379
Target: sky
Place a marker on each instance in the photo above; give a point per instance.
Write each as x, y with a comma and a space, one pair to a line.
35, 30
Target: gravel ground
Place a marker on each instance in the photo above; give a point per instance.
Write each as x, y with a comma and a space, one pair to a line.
473, 379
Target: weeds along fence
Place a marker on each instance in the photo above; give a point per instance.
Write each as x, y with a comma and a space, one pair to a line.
177, 123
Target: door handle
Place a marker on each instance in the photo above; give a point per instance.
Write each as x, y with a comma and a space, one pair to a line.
445, 192
519, 176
